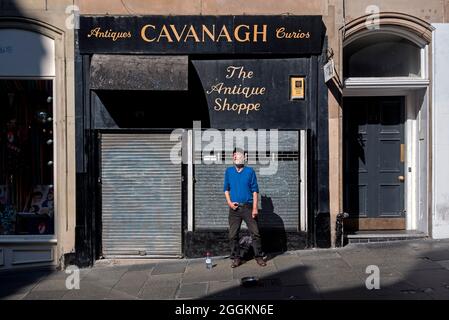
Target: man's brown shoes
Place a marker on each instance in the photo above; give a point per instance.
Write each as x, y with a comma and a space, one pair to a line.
235, 263
261, 262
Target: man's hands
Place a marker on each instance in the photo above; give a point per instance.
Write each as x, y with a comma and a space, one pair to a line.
255, 212
255, 201
233, 205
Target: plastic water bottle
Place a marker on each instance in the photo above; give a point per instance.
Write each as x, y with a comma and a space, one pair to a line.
208, 261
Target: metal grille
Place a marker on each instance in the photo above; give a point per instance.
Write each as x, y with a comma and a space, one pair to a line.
141, 196
278, 193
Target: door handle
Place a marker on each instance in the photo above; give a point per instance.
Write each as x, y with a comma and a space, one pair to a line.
401, 178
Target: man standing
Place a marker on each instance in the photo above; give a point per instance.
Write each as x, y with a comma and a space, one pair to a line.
241, 191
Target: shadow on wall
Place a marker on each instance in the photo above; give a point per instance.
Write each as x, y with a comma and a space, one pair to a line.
152, 109
272, 229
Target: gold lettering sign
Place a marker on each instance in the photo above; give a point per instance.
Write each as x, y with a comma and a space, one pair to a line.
185, 33
108, 34
282, 34
225, 103
190, 33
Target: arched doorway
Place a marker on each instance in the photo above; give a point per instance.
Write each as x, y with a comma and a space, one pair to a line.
385, 112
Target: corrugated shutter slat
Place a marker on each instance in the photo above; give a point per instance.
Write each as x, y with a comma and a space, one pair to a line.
141, 196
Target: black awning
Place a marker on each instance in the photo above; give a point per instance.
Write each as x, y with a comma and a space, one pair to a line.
130, 72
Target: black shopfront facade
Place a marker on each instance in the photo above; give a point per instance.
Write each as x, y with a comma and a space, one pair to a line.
153, 88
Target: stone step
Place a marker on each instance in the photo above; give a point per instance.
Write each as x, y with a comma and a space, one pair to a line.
384, 236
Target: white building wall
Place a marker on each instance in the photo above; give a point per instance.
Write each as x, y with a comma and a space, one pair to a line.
440, 132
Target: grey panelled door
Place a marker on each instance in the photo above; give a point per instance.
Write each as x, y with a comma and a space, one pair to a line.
374, 157
141, 196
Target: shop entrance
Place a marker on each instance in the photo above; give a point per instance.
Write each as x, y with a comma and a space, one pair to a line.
374, 156
140, 195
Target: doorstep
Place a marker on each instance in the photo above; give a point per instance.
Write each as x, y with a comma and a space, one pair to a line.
384, 236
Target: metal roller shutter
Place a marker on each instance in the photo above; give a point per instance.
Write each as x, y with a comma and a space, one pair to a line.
278, 194
141, 196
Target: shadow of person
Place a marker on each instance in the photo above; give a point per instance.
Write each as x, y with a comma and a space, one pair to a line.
272, 229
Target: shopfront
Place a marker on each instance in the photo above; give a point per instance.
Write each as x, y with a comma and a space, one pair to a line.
161, 103
33, 141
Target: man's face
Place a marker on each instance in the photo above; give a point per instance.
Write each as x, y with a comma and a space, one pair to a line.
239, 159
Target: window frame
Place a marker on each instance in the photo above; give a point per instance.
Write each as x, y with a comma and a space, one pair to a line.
397, 82
40, 238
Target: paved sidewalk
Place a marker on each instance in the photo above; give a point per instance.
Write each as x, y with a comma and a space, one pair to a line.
408, 270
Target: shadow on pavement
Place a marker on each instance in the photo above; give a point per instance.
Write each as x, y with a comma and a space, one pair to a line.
416, 270
403, 274
16, 283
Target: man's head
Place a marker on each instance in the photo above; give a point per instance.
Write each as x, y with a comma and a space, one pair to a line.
238, 157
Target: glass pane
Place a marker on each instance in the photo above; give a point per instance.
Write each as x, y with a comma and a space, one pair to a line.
26, 157
382, 55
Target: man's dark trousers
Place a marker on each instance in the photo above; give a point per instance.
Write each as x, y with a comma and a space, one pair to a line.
235, 221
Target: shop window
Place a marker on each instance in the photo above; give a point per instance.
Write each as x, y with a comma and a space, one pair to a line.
382, 55
26, 157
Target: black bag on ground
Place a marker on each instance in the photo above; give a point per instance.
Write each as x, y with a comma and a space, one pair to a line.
246, 247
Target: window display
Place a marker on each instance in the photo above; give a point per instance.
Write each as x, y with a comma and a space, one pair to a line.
26, 157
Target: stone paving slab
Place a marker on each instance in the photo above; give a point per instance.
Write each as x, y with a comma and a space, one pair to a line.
158, 290
160, 287
132, 282
51, 285
300, 292
323, 267
192, 291
440, 292
110, 272
11, 287
391, 294
87, 291
396, 286
409, 270
409, 266
364, 259
196, 271
116, 294
318, 254
45, 295
18, 296
223, 289
286, 262
169, 268
429, 278
143, 267
268, 285
107, 283
329, 280
438, 255
444, 264
294, 277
